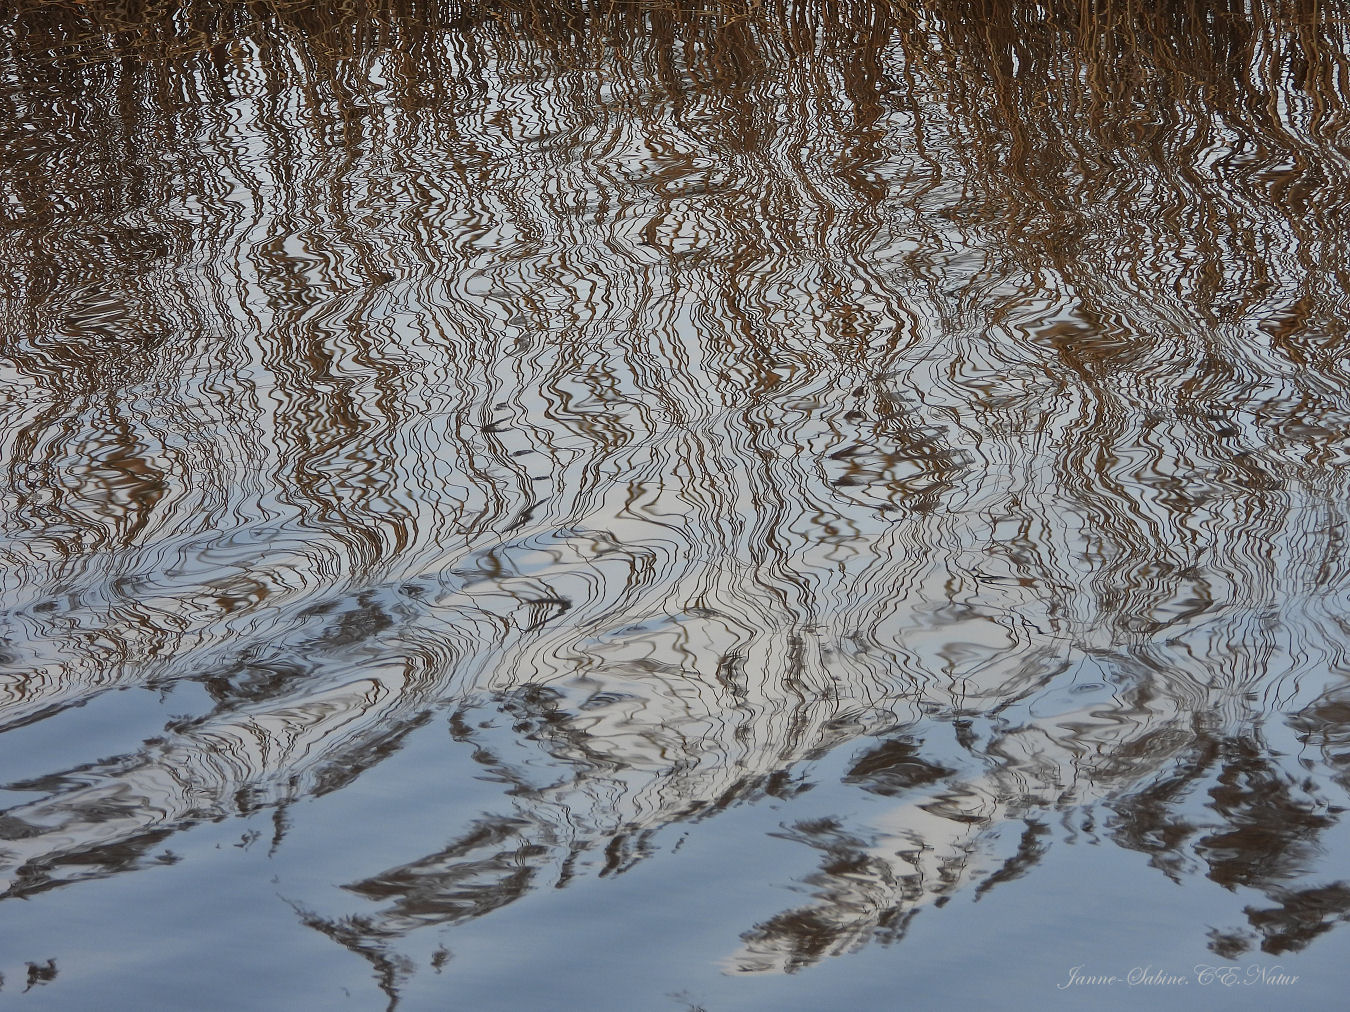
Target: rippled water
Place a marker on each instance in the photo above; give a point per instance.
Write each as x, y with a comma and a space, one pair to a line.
673, 507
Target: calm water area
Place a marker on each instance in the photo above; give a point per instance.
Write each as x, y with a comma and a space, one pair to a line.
564, 505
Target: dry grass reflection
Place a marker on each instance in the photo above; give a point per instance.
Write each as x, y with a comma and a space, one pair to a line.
703, 389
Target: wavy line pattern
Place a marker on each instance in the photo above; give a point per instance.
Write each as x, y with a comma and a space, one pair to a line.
706, 390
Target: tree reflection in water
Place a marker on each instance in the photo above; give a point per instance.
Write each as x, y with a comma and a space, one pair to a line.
703, 392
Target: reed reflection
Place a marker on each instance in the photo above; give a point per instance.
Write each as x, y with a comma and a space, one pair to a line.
708, 392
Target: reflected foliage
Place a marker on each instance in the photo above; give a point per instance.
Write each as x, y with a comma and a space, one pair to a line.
672, 399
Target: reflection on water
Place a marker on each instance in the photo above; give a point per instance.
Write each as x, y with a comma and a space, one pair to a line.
665, 399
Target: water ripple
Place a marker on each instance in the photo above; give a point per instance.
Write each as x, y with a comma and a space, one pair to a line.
703, 393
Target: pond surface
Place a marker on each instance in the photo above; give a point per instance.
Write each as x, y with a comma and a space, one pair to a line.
826, 506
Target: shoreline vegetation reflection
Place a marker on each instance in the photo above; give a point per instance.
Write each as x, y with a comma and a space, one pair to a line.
665, 396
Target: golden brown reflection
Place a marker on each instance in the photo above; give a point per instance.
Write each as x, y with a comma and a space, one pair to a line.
708, 390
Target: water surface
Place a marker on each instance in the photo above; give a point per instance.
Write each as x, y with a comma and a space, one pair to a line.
662, 506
